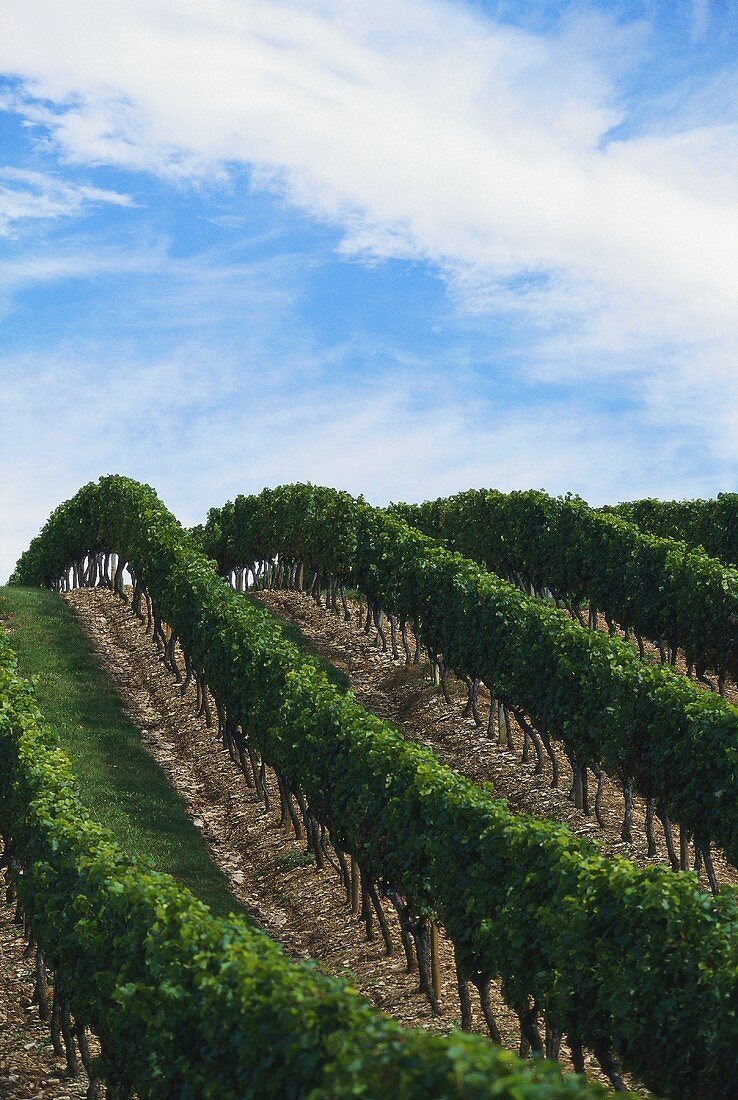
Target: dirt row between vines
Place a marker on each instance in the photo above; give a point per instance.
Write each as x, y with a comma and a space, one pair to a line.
405, 695
28, 1066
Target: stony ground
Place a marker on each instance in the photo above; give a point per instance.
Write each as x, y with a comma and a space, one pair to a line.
28, 1066
405, 695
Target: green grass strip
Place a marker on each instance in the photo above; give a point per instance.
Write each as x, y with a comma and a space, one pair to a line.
121, 785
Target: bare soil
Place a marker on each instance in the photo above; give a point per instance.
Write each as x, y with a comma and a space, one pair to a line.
28, 1066
406, 696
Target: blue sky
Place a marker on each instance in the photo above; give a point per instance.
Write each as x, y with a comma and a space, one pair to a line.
402, 248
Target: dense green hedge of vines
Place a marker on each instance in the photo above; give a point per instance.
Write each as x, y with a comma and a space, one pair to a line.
710, 525
655, 730
660, 588
640, 963
188, 1005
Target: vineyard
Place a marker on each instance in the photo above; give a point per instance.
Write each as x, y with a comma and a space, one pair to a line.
593, 651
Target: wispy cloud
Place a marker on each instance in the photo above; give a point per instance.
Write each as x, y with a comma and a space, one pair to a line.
700, 19
25, 194
150, 290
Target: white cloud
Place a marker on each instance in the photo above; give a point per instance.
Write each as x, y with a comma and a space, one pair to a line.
423, 129
25, 194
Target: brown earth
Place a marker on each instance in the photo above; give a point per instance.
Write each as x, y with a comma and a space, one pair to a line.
28, 1066
406, 696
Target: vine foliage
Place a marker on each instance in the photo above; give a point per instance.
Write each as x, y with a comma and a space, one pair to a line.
709, 525
652, 585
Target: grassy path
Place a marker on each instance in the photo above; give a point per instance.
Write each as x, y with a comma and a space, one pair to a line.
120, 783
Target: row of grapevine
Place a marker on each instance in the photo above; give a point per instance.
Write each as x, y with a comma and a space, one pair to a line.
185, 1004
653, 730
623, 961
710, 525
655, 587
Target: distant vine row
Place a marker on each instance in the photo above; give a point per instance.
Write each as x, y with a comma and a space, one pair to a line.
709, 525
653, 587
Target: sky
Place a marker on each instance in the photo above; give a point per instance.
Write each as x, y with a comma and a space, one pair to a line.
403, 248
